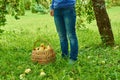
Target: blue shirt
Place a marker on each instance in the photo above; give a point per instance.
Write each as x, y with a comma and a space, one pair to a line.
62, 3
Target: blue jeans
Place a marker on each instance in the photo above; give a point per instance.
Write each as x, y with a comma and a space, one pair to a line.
65, 19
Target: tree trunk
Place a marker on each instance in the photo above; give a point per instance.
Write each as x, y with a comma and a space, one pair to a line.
103, 22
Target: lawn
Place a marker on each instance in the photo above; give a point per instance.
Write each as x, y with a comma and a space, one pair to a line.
95, 62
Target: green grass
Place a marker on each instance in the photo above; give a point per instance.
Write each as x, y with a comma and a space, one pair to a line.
95, 62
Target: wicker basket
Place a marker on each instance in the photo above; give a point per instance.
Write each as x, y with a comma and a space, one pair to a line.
43, 54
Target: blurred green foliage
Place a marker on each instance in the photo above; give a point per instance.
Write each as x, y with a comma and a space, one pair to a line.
110, 3
2, 13
16, 8
85, 13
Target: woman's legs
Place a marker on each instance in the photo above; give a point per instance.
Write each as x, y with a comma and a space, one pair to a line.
65, 19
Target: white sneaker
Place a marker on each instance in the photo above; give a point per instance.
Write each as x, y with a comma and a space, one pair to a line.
71, 62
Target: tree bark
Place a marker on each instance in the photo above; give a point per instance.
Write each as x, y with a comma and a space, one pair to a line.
103, 22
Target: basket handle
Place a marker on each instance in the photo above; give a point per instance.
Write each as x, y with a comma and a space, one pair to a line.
35, 43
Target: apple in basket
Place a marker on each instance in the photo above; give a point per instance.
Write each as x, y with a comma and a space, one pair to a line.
42, 47
48, 48
39, 49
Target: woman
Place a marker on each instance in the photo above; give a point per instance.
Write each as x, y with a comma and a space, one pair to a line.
65, 19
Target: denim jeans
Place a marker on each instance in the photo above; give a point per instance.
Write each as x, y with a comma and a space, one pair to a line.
65, 19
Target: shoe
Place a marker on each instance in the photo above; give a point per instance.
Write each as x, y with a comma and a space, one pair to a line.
66, 58
71, 62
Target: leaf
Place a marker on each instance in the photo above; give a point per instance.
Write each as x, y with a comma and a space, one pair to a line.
1, 31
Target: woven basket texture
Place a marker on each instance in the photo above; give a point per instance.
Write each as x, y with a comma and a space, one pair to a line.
43, 54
